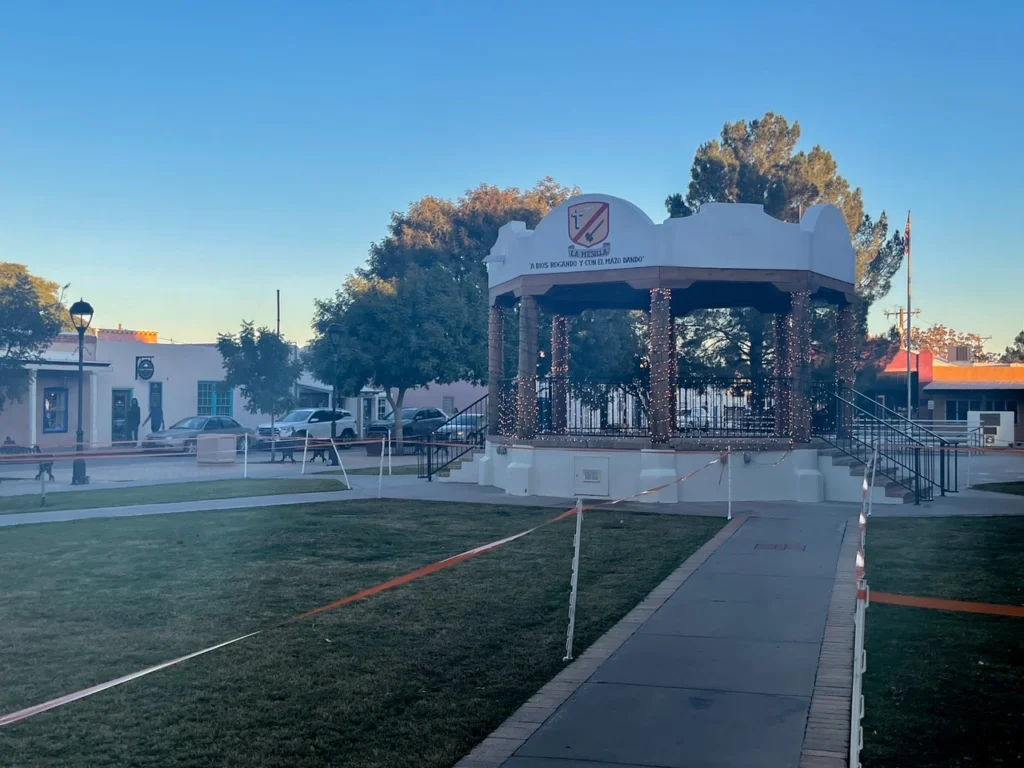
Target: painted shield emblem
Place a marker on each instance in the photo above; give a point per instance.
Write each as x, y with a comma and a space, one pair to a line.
589, 223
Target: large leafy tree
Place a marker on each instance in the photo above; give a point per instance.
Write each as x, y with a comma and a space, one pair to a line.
1015, 352
939, 339
758, 162
31, 317
450, 238
399, 334
263, 366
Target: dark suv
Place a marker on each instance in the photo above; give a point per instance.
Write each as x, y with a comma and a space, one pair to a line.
416, 422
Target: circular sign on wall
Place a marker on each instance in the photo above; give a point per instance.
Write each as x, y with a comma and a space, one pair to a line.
144, 368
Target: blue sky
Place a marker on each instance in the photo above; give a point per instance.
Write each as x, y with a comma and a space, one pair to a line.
178, 163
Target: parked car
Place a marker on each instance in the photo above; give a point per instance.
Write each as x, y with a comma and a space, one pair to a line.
314, 422
184, 435
464, 428
416, 422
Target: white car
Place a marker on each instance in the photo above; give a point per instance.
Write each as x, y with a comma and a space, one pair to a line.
314, 422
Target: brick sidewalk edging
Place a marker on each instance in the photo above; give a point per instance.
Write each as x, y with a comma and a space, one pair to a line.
513, 733
827, 738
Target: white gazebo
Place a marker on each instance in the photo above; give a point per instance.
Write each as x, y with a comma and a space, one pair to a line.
602, 252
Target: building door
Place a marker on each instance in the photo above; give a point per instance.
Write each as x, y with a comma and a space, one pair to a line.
156, 400
120, 399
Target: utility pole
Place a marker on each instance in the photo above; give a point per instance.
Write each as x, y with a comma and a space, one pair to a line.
910, 412
901, 313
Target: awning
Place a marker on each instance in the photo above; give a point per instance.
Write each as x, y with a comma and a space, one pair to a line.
946, 386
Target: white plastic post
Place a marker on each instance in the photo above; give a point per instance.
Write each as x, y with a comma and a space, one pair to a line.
340, 463
389, 453
969, 452
728, 471
871, 487
380, 476
575, 581
305, 447
245, 459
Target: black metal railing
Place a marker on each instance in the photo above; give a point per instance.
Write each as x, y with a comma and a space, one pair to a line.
917, 467
718, 407
909, 454
463, 433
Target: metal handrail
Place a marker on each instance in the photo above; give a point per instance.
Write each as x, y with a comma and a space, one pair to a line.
430, 460
899, 458
899, 417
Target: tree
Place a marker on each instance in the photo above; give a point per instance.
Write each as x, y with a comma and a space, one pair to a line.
758, 162
51, 294
30, 319
263, 366
940, 339
400, 334
450, 239
1015, 352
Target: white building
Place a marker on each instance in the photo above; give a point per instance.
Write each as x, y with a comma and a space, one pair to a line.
186, 379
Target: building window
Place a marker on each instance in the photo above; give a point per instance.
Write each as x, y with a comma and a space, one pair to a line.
382, 408
956, 410
55, 409
448, 405
215, 399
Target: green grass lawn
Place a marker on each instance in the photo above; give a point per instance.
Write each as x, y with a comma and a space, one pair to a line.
1017, 488
170, 492
415, 676
398, 469
945, 688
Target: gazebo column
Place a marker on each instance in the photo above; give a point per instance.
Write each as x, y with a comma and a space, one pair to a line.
661, 365
495, 368
673, 403
559, 374
526, 398
799, 359
846, 359
783, 374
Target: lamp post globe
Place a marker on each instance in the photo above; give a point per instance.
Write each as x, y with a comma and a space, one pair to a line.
81, 316
334, 334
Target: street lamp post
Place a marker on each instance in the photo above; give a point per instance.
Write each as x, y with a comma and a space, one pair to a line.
334, 333
81, 316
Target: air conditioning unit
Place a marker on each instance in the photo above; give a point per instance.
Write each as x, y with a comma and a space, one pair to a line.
960, 353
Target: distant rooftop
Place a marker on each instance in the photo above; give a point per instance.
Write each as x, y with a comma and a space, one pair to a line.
125, 334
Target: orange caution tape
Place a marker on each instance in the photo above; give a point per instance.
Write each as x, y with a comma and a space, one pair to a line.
940, 604
406, 578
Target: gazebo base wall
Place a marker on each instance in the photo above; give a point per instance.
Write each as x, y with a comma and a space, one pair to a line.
767, 471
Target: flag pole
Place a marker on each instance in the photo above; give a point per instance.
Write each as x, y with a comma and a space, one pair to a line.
906, 248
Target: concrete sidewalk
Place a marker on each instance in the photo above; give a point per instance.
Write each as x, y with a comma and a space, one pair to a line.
411, 488
718, 667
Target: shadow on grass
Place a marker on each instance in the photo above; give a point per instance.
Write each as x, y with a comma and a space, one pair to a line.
414, 676
945, 688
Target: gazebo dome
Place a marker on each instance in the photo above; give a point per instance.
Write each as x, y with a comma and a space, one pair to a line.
600, 240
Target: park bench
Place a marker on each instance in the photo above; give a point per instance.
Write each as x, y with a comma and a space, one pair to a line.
22, 455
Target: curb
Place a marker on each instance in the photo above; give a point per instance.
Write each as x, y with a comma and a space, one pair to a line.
521, 725
827, 736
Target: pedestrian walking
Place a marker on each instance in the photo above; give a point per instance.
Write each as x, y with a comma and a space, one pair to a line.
132, 423
156, 416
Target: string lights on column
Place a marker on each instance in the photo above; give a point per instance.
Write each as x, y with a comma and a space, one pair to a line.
560, 372
661, 361
800, 358
526, 401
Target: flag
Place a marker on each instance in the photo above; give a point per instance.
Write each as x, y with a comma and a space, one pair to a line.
906, 237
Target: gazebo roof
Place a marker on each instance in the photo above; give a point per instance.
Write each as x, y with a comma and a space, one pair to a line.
598, 251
